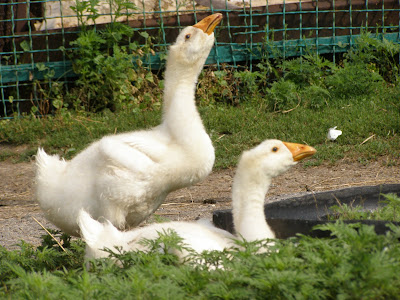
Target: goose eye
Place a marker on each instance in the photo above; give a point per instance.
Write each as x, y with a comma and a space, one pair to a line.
274, 149
187, 36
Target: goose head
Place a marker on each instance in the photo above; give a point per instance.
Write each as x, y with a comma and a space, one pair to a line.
273, 157
253, 177
194, 43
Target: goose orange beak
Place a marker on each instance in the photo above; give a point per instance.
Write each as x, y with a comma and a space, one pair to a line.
300, 151
209, 23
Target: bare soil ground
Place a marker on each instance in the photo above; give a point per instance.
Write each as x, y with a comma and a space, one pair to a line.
20, 216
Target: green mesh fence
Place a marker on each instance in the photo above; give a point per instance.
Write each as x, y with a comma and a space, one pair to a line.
35, 35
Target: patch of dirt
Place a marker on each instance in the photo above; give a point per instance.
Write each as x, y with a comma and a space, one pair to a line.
19, 212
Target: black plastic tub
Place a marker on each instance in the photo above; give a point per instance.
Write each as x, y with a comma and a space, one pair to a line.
291, 216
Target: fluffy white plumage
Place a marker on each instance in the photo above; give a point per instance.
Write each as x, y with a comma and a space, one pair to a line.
125, 178
255, 170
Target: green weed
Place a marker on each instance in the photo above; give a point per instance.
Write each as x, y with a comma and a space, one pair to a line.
307, 70
215, 87
315, 97
355, 264
388, 211
108, 62
109, 65
353, 80
5, 155
283, 95
378, 53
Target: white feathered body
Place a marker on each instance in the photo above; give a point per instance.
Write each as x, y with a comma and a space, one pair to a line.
126, 177
107, 186
195, 235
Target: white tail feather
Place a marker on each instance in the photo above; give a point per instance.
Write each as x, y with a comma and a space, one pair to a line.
99, 236
48, 166
90, 228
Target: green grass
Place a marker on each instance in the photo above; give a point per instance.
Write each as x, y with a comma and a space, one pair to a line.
247, 126
356, 264
69, 134
233, 129
389, 210
5, 155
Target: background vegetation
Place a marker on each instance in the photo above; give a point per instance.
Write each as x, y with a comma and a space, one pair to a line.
295, 99
388, 210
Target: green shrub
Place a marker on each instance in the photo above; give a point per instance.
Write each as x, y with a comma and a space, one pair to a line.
307, 70
283, 95
110, 74
380, 54
248, 84
216, 86
353, 80
315, 97
389, 211
108, 62
355, 263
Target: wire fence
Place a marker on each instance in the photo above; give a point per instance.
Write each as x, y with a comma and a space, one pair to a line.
36, 35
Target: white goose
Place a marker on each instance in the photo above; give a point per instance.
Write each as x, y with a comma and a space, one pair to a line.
125, 178
253, 177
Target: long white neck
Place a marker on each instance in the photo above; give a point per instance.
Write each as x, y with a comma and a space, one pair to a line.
180, 115
248, 193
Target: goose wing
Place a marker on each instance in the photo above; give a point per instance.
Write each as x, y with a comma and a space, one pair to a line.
138, 152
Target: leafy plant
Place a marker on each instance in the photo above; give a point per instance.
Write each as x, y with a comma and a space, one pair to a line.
379, 53
315, 97
355, 263
283, 95
248, 85
50, 93
216, 86
109, 65
81, 8
389, 212
353, 79
310, 69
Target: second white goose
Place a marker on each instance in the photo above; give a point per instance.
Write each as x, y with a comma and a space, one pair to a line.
253, 177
